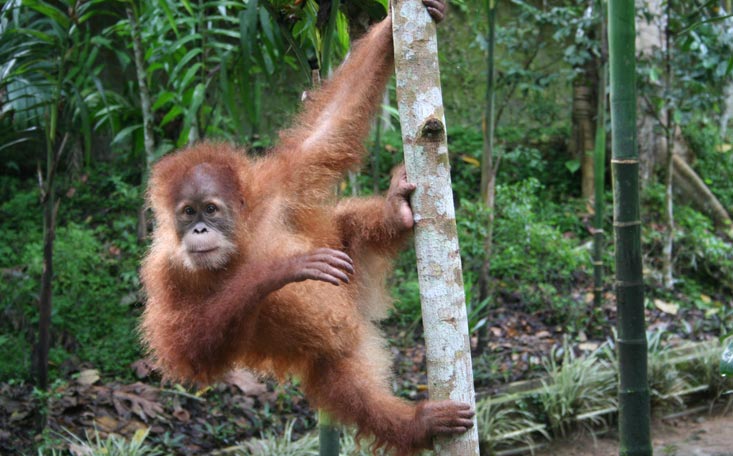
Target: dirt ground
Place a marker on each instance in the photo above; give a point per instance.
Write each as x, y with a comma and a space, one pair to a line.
696, 436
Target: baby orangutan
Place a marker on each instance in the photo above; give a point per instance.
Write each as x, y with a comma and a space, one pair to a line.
254, 264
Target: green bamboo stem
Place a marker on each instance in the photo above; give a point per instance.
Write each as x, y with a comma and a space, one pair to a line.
599, 173
634, 410
329, 433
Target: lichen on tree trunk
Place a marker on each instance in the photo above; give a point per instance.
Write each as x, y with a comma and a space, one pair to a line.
419, 96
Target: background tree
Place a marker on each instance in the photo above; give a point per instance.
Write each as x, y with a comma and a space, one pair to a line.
599, 162
46, 95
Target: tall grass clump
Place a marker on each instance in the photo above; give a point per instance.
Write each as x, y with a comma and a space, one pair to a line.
576, 386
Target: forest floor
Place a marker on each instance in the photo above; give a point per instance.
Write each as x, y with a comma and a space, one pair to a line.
190, 421
700, 435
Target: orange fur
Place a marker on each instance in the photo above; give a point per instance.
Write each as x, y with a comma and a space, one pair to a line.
201, 323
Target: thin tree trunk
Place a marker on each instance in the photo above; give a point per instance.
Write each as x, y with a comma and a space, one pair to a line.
599, 160
727, 111
436, 241
149, 138
45, 304
50, 209
488, 174
668, 266
634, 409
582, 109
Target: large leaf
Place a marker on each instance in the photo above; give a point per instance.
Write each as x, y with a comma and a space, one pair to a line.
248, 29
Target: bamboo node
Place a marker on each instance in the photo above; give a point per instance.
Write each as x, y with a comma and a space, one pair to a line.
625, 161
625, 224
628, 284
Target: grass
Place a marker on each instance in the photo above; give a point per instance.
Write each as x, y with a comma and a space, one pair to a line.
576, 386
112, 445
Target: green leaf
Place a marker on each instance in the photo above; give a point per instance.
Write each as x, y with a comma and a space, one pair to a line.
163, 4
572, 165
49, 11
186, 80
198, 97
124, 133
654, 74
248, 29
726, 359
184, 61
187, 5
266, 23
45, 37
163, 99
172, 114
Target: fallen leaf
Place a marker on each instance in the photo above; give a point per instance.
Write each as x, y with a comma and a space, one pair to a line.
182, 415
179, 412
18, 415
88, 377
246, 381
666, 307
134, 426
106, 423
145, 408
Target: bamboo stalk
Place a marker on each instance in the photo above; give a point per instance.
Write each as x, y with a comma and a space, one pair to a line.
634, 407
329, 433
599, 161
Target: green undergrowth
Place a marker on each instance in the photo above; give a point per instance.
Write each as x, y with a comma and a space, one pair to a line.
95, 283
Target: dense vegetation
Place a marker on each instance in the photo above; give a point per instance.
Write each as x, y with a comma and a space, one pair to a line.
70, 101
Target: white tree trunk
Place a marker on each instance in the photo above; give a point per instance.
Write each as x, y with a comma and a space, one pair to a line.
728, 113
420, 102
652, 142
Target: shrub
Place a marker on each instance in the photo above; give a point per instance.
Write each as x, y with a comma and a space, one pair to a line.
95, 281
